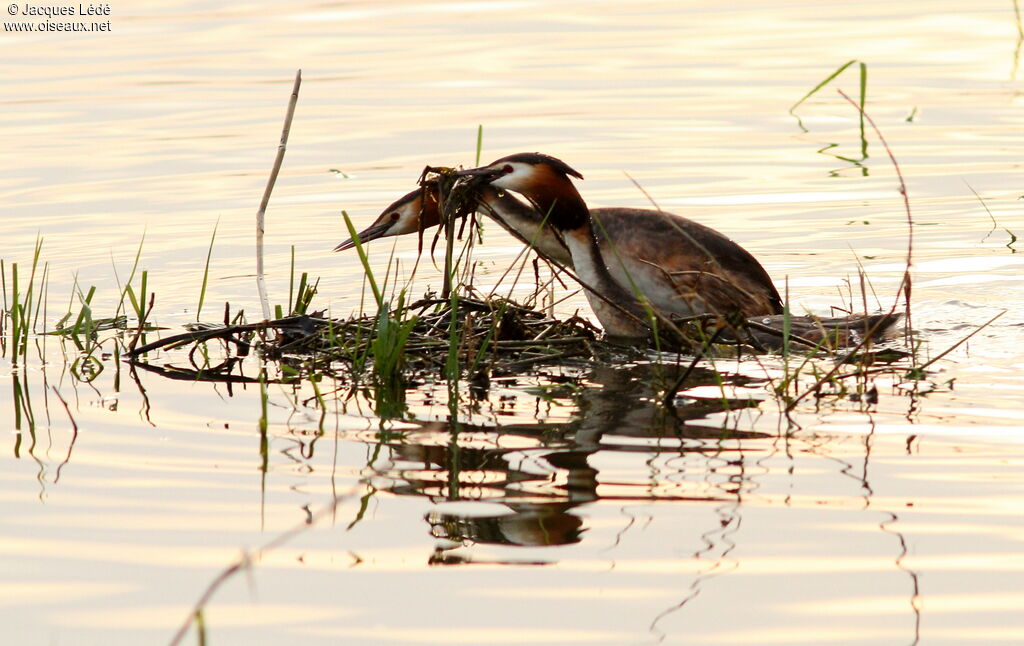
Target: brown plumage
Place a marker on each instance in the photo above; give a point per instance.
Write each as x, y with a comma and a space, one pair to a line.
631, 258
707, 272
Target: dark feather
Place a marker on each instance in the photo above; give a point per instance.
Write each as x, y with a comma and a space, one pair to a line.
541, 158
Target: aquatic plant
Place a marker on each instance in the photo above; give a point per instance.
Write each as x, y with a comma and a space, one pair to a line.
206, 270
19, 314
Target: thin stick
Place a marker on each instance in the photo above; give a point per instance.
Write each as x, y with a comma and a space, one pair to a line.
247, 561
261, 283
987, 210
642, 190
961, 341
448, 225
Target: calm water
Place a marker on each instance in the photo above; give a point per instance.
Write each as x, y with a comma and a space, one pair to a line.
564, 507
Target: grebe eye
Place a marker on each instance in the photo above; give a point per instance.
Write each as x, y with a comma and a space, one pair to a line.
507, 168
395, 216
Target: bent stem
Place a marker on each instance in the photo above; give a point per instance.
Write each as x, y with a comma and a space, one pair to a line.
905, 285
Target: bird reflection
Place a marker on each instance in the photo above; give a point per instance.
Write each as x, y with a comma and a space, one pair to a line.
550, 472
530, 524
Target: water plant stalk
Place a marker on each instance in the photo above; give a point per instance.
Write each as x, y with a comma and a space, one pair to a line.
261, 283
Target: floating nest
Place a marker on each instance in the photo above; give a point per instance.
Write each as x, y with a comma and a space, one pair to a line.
491, 337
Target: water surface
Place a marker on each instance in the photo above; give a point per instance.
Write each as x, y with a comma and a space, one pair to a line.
565, 507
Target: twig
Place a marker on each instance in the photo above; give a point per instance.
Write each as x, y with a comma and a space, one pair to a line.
261, 283
987, 210
298, 322
643, 190
960, 342
868, 338
526, 363
245, 561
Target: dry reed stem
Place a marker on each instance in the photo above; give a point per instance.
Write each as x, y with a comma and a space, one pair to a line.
261, 283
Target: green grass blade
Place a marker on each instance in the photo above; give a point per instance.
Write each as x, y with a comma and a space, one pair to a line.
362, 259
3, 282
291, 280
43, 285
479, 142
30, 291
85, 314
206, 270
451, 368
200, 627
263, 401
822, 84
863, 99
787, 322
132, 298
131, 276
299, 304
15, 313
140, 311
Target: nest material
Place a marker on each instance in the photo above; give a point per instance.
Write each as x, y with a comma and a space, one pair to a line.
495, 336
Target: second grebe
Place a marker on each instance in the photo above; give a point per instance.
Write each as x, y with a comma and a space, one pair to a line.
678, 266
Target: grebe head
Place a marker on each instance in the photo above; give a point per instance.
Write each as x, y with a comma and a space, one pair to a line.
542, 179
412, 212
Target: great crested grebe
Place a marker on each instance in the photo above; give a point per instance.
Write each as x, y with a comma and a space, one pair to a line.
415, 211
635, 258
678, 266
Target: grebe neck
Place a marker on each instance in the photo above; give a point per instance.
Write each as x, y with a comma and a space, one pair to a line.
619, 311
561, 205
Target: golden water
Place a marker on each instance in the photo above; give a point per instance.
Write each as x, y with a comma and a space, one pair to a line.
556, 514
